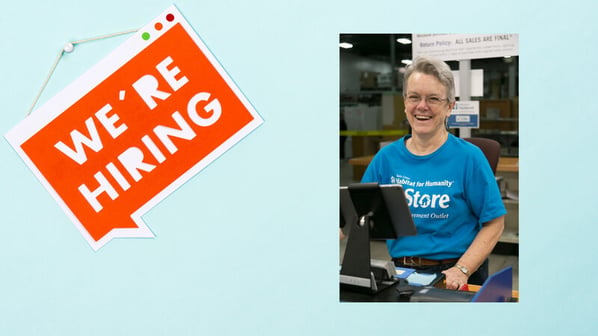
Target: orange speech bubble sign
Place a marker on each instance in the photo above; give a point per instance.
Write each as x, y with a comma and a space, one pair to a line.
156, 112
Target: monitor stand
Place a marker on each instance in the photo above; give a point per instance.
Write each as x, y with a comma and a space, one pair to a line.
359, 272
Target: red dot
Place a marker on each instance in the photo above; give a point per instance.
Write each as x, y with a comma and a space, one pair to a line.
169, 17
158, 26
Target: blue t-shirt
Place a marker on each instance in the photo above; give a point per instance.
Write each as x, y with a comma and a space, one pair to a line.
450, 193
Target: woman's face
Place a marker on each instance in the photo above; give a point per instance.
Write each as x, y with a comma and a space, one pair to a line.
426, 104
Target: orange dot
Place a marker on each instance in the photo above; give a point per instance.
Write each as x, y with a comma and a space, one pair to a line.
158, 26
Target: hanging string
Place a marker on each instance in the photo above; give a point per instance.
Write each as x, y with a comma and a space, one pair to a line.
45, 82
68, 48
102, 37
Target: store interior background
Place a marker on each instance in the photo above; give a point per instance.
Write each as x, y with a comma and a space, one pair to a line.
371, 106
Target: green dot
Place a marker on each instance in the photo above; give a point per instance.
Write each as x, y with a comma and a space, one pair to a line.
145, 36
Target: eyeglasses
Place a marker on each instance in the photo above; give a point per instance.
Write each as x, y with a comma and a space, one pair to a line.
431, 100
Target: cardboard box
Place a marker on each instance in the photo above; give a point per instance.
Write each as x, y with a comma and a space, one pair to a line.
497, 114
495, 109
393, 111
384, 80
368, 80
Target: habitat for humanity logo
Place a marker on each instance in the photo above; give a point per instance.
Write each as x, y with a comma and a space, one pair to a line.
132, 129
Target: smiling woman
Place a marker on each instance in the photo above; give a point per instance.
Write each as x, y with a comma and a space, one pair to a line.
452, 193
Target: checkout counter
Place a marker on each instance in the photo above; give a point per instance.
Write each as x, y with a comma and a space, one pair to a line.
373, 211
404, 289
497, 288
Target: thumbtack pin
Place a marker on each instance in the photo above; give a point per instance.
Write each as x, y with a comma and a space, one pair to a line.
69, 47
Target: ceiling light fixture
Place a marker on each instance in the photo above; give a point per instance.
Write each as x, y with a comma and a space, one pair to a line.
403, 40
346, 45
406, 61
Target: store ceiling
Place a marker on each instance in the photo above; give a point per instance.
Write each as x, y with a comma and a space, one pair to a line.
377, 46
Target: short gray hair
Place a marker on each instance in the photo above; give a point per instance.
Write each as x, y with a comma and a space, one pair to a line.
436, 68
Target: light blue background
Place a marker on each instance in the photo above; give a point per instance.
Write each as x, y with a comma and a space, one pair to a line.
249, 245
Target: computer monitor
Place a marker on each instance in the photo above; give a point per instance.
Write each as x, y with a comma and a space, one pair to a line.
371, 211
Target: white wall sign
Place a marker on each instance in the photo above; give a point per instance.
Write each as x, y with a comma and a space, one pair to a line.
454, 47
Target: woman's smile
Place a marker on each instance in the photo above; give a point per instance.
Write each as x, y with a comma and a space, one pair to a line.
423, 117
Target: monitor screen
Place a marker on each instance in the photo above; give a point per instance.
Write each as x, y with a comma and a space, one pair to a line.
384, 204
